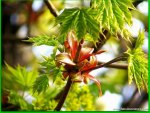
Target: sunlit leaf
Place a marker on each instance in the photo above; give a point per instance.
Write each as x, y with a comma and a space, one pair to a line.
138, 64
113, 15
44, 40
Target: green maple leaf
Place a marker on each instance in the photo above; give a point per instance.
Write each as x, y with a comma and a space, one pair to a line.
138, 64
41, 84
113, 15
78, 20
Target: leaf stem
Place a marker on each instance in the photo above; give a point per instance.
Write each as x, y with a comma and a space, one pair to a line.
64, 95
120, 58
51, 8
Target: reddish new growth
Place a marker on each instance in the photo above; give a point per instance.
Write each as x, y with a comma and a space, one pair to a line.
77, 66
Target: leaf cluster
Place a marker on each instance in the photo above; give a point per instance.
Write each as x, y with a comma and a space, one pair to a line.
18, 78
18, 100
17, 81
77, 95
138, 64
50, 69
82, 96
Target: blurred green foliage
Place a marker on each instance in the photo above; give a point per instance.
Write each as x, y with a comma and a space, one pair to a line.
16, 80
79, 99
109, 82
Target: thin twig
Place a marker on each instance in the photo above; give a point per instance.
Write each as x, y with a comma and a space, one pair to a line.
64, 95
51, 8
118, 66
110, 62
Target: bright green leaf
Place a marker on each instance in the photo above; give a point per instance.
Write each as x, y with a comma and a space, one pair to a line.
113, 15
44, 40
138, 64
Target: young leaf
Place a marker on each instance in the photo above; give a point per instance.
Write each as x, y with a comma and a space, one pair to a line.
113, 15
40, 84
50, 67
44, 40
78, 20
138, 64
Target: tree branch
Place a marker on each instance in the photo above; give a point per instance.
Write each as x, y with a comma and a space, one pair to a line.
64, 95
118, 66
51, 8
112, 61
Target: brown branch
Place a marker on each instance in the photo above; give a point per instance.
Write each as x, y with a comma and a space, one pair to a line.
118, 66
112, 61
51, 8
64, 95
